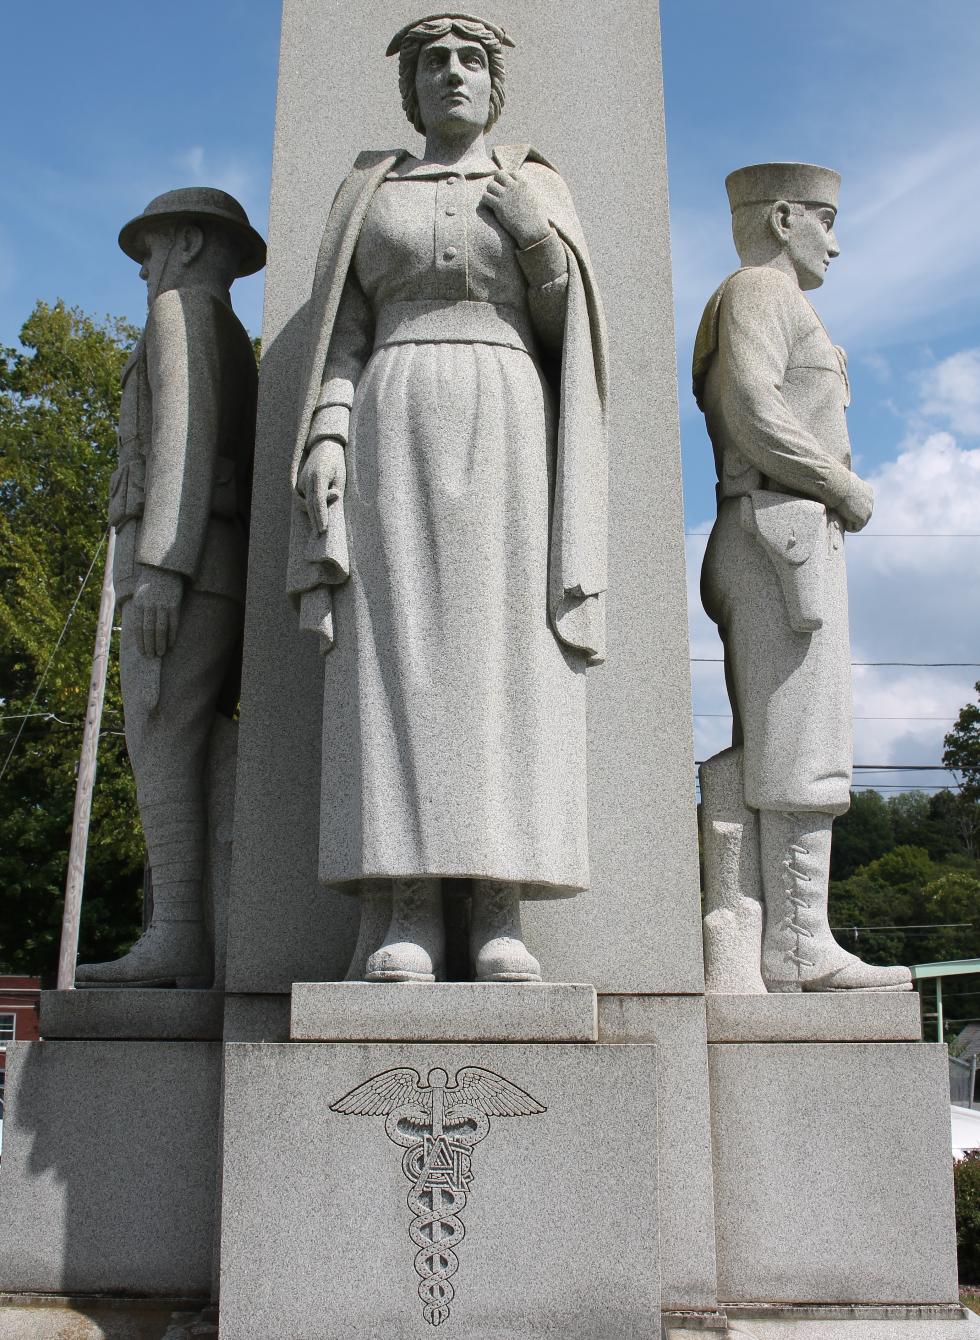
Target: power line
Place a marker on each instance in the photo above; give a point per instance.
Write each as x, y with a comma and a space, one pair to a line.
923, 665
877, 535
881, 767
913, 926
64, 630
727, 716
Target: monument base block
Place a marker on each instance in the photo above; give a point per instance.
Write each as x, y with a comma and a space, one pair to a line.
443, 1011
836, 1323
510, 1187
108, 1182
833, 1174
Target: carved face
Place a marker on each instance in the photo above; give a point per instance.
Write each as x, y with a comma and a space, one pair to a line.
452, 84
158, 246
810, 244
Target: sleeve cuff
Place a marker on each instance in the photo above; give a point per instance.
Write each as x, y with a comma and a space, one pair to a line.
545, 261
840, 482
329, 421
336, 391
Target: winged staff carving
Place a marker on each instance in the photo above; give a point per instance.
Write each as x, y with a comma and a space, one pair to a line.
437, 1124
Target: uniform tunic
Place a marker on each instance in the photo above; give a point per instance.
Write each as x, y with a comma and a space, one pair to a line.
453, 718
774, 390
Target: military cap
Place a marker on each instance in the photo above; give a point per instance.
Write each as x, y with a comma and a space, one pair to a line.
796, 183
197, 202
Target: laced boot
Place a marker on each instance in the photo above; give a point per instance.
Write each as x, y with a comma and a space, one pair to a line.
175, 949
496, 938
414, 946
799, 952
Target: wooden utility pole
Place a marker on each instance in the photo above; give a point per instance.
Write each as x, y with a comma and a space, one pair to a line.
86, 777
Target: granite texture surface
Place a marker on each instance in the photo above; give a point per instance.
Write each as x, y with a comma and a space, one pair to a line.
283, 927
442, 1012
324, 1187
257, 1018
833, 1176
965, 1327
846, 1016
137, 1013
108, 1180
676, 1024
40, 1317
179, 502
774, 390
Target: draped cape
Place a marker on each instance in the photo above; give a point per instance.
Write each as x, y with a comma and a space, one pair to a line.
577, 576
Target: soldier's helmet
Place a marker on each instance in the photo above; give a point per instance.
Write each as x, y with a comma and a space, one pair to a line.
204, 203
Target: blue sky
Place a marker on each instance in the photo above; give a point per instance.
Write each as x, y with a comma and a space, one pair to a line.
108, 104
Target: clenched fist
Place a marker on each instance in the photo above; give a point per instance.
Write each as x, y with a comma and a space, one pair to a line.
857, 504
517, 208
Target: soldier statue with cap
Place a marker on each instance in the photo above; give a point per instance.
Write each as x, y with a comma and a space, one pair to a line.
774, 390
180, 504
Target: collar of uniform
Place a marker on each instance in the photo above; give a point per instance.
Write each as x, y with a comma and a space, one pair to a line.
412, 168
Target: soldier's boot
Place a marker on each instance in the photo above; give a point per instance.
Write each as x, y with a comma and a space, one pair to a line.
732, 879
414, 946
496, 937
175, 949
799, 952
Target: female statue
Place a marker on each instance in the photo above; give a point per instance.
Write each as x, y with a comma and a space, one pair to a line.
449, 518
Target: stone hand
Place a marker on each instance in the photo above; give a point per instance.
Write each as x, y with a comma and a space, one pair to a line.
157, 600
857, 504
322, 480
517, 208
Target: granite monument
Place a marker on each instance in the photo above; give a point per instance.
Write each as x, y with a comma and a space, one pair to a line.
180, 503
774, 390
449, 521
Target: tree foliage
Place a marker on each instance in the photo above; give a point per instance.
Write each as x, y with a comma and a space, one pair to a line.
962, 753
59, 402
966, 1181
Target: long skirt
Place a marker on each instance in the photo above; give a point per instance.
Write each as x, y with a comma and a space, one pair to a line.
454, 720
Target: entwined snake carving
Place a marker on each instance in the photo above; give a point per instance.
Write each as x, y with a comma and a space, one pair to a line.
437, 1124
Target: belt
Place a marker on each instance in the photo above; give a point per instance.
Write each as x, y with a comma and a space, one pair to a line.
453, 323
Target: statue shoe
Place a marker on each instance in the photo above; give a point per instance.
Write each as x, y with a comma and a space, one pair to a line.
401, 962
414, 946
506, 959
168, 953
799, 952
496, 938
842, 971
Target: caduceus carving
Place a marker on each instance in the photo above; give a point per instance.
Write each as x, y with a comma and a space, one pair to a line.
437, 1124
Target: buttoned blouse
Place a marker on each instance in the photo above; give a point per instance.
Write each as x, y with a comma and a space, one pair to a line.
427, 237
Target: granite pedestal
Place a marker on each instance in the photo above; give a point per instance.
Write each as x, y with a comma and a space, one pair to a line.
109, 1174
833, 1173
362, 1218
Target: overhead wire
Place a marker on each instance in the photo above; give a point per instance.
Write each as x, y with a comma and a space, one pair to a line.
54, 652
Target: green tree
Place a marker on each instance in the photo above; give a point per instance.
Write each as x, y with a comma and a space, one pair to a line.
966, 1181
962, 754
861, 835
887, 892
59, 401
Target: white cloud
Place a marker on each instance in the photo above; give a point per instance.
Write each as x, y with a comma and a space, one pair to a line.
910, 259
229, 174
911, 599
951, 391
